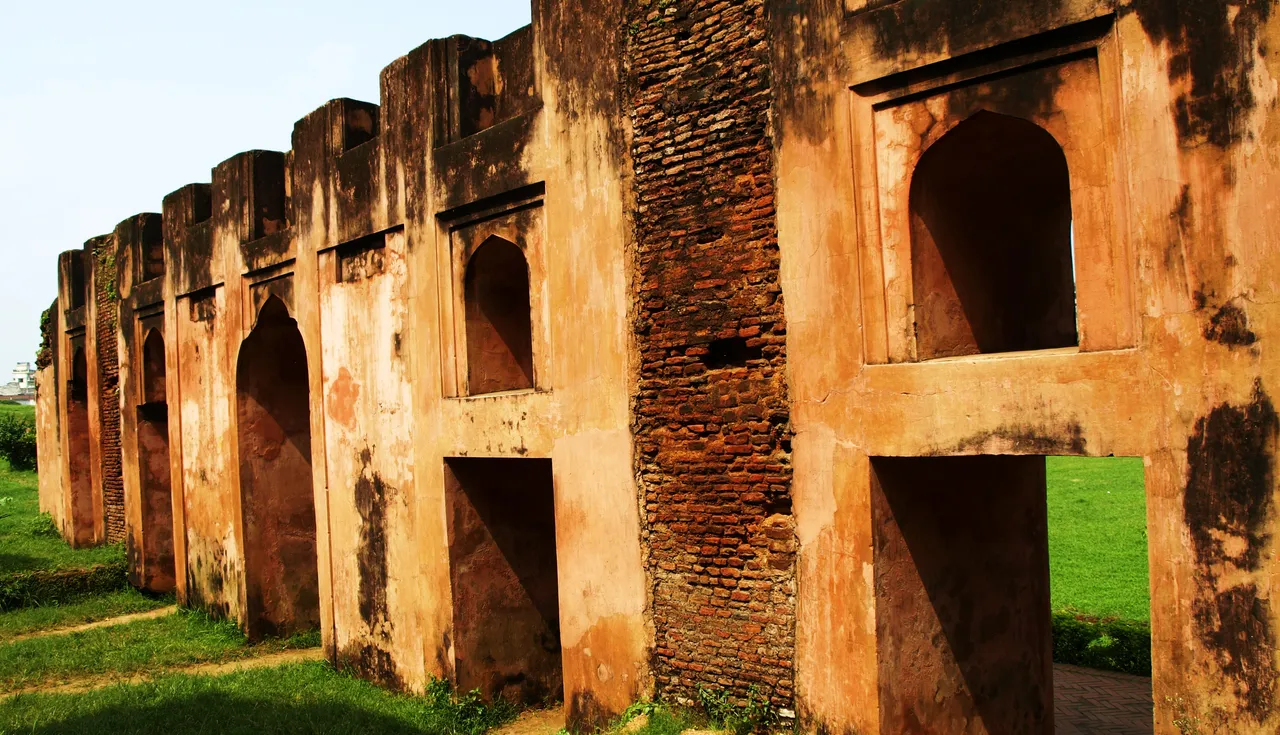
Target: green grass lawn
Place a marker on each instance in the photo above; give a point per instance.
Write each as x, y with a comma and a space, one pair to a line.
1098, 537
87, 609
27, 540
180, 639
297, 698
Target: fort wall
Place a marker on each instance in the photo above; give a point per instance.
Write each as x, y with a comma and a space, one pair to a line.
765, 312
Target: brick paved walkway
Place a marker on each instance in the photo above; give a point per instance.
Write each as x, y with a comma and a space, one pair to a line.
1088, 702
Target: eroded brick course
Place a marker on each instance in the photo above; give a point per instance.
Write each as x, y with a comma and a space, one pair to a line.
711, 418
108, 303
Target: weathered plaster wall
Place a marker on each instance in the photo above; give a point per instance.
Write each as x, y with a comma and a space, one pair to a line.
84, 492
212, 564
363, 232
49, 420
362, 394
392, 239
1173, 107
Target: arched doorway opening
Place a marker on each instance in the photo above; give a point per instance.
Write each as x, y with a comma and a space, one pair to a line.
278, 502
499, 326
991, 249
154, 568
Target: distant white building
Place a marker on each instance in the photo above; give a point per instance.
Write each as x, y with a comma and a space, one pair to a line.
23, 382
24, 375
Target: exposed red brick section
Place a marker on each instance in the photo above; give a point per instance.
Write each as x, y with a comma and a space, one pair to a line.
108, 301
711, 417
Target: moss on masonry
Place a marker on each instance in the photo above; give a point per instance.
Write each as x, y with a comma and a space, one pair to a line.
44, 355
106, 272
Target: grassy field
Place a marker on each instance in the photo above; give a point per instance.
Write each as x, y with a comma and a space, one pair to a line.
180, 639
88, 609
298, 698
1098, 537
27, 540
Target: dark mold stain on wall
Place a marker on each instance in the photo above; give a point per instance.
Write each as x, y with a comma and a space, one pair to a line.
368, 659
1229, 325
1231, 477
205, 587
371, 503
586, 84
1068, 439
585, 713
370, 662
927, 26
1212, 45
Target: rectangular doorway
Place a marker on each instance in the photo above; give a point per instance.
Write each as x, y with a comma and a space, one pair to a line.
966, 604
502, 566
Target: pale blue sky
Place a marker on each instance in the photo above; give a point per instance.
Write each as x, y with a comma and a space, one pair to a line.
107, 107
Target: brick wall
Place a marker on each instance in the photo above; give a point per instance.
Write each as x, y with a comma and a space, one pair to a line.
108, 302
711, 418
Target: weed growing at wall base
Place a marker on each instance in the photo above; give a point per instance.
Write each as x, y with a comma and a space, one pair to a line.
755, 714
652, 718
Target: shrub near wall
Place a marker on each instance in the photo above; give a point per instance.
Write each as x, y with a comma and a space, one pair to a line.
1111, 645
18, 440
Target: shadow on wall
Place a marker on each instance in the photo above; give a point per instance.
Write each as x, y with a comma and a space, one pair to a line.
962, 593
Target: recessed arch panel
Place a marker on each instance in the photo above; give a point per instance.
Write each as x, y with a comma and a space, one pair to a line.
278, 504
498, 322
991, 248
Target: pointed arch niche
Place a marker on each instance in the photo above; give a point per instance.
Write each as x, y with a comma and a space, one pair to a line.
496, 300
991, 258
989, 221
499, 327
278, 501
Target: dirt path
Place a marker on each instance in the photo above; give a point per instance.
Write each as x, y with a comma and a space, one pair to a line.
121, 620
207, 669
534, 722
